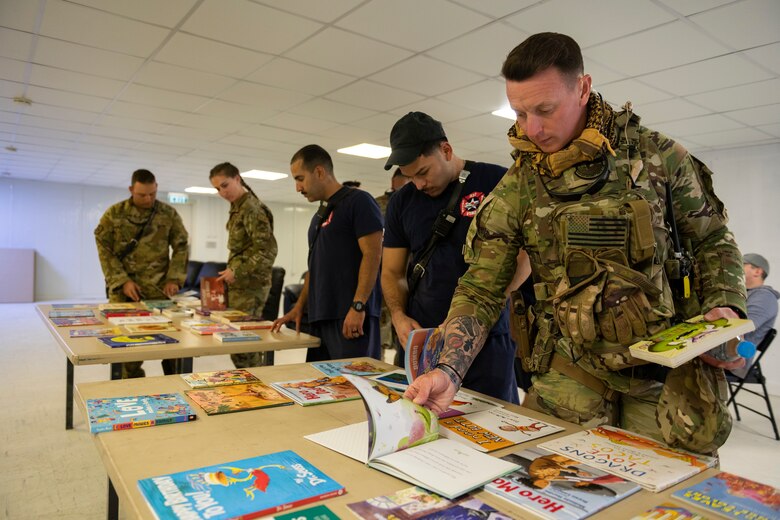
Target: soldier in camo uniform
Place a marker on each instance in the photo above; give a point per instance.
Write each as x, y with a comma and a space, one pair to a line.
144, 271
587, 199
252, 248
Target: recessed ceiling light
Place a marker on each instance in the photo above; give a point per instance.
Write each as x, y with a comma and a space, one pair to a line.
264, 175
506, 113
200, 189
370, 151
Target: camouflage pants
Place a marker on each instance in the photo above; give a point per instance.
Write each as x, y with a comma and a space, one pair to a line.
250, 299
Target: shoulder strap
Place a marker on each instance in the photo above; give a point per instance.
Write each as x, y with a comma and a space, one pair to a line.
137, 238
326, 208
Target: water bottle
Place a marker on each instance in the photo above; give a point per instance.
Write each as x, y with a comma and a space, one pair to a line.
725, 352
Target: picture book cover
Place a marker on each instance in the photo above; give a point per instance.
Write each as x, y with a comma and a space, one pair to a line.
137, 320
237, 398
246, 488
72, 313
251, 325
157, 304
732, 496
422, 350
669, 511
494, 429
63, 306
140, 340
415, 503
394, 379
188, 324
146, 328
117, 306
682, 342
177, 312
337, 368
310, 513
230, 315
401, 439
553, 486
236, 335
76, 322
237, 376
94, 333
210, 328
307, 392
125, 313
140, 411
213, 293
649, 463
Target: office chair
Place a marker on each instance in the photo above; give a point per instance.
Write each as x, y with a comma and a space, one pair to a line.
754, 376
271, 307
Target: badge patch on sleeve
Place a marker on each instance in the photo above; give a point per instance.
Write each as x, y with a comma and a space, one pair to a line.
470, 203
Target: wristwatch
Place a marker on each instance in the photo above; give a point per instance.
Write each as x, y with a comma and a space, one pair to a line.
359, 306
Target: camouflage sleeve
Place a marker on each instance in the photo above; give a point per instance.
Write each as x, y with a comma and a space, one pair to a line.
257, 259
491, 248
113, 270
701, 218
178, 241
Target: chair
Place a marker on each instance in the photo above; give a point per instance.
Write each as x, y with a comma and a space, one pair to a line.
754, 376
271, 307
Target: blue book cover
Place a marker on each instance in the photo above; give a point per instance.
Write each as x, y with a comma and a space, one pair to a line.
72, 313
62, 306
246, 488
137, 340
733, 496
139, 411
337, 368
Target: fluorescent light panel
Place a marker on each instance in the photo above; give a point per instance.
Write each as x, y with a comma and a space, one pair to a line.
264, 175
505, 112
370, 151
200, 189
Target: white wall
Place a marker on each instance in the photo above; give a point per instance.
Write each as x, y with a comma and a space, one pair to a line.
57, 221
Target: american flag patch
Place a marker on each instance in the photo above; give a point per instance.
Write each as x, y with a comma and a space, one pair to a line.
595, 232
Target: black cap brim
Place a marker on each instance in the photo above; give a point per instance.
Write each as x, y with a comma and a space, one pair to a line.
403, 156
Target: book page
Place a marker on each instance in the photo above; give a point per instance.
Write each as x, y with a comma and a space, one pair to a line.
350, 440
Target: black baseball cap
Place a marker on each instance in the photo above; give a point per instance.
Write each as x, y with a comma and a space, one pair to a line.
409, 135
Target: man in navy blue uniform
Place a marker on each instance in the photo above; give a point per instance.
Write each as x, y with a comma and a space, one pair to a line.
438, 182
345, 249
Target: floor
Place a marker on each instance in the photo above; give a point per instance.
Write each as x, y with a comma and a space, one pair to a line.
48, 472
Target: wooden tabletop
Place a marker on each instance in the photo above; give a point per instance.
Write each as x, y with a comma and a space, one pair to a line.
132, 455
90, 351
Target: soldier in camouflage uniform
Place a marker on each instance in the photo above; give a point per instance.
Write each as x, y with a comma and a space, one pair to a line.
592, 197
144, 271
252, 248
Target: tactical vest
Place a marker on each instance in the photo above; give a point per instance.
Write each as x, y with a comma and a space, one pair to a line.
598, 258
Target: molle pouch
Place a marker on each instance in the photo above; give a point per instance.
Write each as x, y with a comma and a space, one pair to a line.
519, 327
642, 239
544, 345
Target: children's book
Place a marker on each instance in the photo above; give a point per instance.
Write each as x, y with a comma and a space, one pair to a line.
553, 486
237, 398
422, 350
394, 379
139, 340
494, 429
648, 462
146, 328
669, 511
732, 496
213, 293
307, 392
247, 488
94, 333
187, 301
466, 403
188, 324
177, 312
158, 304
682, 342
236, 335
251, 325
63, 306
401, 438
140, 411
230, 315
210, 328
75, 322
310, 513
117, 306
72, 313
219, 378
415, 503
337, 368
137, 320
125, 313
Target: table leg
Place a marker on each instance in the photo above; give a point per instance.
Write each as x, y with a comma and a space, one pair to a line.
69, 395
113, 502
116, 371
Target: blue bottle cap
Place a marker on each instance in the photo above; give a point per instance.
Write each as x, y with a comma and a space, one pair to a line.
746, 349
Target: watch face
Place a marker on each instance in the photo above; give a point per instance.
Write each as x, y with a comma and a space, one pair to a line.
359, 306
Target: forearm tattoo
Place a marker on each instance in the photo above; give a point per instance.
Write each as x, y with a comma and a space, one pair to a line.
464, 337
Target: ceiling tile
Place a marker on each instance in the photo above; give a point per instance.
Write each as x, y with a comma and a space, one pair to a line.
656, 49
198, 53
15, 44
426, 76
773, 129
381, 20
441, 110
333, 49
382, 123
55, 112
317, 9
485, 144
483, 50
171, 77
288, 74
668, 110
263, 96
743, 96
236, 111
488, 125
688, 7
496, 8
600, 74
12, 70
731, 137
45, 76
698, 125
768, 56
331, 111
249, 25
217, 125
50, 121
484, 96
167, 13
578, 19
144, 112
293, 122
758, 23
619, 92
707, 75
64, 99
133, 124
19, 14
763, 115
368, 94
275, 133
156, 97
66, 21
84, 59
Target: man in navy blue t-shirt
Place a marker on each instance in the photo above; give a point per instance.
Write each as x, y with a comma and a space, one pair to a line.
421, 150
345, 249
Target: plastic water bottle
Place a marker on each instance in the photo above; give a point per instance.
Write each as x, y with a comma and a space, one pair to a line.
743, 348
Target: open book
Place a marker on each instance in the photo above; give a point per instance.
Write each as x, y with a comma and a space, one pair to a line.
682, 342
422, 350
402, 439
